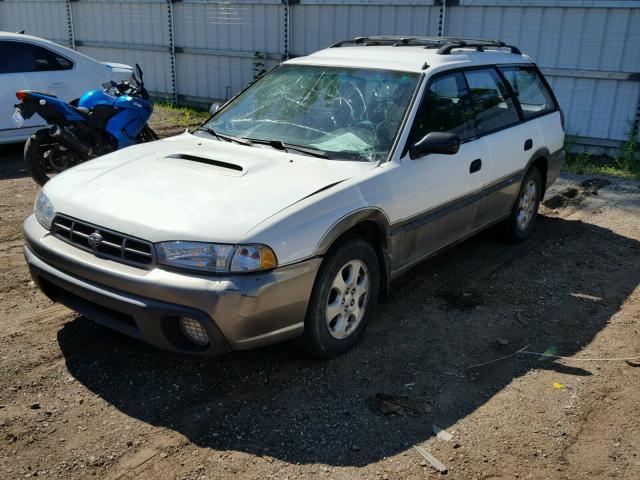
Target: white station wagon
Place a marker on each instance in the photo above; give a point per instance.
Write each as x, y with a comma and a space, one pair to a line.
290, 211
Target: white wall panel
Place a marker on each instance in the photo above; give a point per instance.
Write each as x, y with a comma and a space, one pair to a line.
316, 25
580, 38
597, 108
155, 65
138, 23
230, 26
213, 76
40, 18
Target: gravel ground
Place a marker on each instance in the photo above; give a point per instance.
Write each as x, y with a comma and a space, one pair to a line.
79, 401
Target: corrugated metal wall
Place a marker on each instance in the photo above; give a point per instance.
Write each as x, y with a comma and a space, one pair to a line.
50, 19
200, 50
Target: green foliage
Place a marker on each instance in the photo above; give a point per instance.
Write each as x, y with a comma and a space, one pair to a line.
626, 164
259, 66
570, 140
182, 114
628, 160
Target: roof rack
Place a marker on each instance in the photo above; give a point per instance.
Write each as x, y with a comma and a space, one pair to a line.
444, 44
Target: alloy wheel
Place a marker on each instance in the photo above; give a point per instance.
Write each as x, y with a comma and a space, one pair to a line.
347, 301
527, 205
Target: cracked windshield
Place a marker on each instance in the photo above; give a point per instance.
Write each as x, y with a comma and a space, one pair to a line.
340, 113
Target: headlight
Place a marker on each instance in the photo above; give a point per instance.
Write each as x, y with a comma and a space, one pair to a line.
44, 210
249, 258
216, 258
207, 257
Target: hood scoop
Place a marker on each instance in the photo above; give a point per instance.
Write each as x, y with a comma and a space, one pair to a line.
231, 168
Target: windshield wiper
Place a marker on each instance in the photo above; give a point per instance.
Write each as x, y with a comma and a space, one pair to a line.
226, 138
280, 145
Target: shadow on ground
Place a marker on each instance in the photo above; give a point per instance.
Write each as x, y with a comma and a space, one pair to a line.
479, 301
11, 161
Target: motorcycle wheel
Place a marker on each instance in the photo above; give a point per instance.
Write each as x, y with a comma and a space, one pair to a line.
36, 152
44, 157
147, 134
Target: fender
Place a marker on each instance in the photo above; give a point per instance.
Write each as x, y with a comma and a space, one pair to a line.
542, 152
380, 239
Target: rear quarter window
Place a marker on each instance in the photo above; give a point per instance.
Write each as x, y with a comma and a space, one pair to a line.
22, 57
533, 95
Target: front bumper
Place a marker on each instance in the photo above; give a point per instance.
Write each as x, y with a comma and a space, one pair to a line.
237, 311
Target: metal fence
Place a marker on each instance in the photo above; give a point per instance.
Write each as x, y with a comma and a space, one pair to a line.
196, 51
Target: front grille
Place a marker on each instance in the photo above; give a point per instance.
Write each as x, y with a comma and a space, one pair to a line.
107, 243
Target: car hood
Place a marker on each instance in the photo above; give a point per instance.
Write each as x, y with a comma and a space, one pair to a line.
192, 188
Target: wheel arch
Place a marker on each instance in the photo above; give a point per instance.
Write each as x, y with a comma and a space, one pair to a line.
540, 160
371, 224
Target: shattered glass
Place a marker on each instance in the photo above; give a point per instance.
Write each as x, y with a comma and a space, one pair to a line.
348, 113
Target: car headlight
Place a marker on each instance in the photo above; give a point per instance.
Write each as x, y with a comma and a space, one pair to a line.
250, 258
44, 210
215, 258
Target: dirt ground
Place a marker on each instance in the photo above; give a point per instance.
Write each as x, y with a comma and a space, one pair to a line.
79, 401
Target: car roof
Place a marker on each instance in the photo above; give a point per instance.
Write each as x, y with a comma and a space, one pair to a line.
43, 42
416, 54
25, 37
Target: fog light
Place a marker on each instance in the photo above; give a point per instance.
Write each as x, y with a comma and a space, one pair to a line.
193, 330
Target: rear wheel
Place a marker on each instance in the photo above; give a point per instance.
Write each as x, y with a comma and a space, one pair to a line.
525, 210
343, 298
44, 157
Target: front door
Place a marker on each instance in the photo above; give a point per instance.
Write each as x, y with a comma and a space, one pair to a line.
436, 196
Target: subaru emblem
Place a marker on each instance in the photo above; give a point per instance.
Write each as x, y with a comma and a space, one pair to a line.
95, 239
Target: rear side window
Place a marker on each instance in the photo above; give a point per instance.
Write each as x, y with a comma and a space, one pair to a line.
20, 57
445, 107
489, 97
532, 93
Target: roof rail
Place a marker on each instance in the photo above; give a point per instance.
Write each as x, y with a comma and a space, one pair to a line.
444, 44
479, 45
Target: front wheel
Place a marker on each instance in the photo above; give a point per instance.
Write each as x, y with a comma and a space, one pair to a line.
147, 134
342, 300
44, 157
525, 210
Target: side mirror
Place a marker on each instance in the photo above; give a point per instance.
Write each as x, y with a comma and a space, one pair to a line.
214, 108
435, 142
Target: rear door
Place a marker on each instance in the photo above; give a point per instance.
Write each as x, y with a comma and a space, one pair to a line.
437, 195
25, 66
15, 74
540, 110
510, 143
51, 69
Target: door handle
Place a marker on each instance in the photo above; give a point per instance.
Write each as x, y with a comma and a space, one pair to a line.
528, 144
475, 165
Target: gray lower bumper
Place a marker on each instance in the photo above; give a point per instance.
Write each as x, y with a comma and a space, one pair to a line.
238, 312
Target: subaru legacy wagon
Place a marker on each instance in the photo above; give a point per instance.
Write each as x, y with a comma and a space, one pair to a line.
291, 210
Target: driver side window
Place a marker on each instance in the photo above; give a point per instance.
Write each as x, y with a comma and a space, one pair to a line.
445, 107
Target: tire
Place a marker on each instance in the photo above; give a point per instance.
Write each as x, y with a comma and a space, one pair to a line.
147, 134
524, 213
34, 160
325, 337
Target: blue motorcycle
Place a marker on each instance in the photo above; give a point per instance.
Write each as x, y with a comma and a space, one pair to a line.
102, 121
